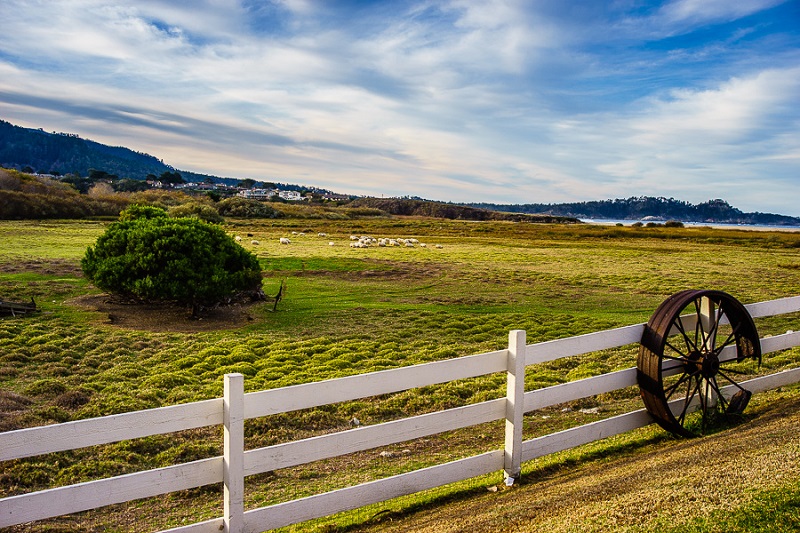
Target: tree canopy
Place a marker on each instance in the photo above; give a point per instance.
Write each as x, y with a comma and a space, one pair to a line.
148, 256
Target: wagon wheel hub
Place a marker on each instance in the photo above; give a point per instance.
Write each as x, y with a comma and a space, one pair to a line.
705, 364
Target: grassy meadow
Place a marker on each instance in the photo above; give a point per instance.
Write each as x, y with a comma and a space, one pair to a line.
346, 311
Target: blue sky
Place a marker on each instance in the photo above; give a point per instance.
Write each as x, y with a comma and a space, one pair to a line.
500, 101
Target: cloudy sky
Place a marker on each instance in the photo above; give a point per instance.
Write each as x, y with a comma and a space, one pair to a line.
463, 100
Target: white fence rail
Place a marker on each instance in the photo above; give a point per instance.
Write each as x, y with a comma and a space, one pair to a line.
237, 463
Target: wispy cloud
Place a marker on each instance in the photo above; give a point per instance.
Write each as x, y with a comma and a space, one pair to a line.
503, 100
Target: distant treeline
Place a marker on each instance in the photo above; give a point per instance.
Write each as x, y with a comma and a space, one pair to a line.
638, 208
60, 154
23, 196
425, 208
27, 196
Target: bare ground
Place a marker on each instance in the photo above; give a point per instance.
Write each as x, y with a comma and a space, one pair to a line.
167, 317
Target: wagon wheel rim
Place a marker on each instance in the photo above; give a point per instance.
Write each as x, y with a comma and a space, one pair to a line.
689, 359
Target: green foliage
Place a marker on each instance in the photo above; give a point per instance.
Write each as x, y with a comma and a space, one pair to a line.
23, 196
198, 211
238, 207
163, 259
140, 211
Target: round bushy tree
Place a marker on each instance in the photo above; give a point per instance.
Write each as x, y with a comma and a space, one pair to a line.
147, 256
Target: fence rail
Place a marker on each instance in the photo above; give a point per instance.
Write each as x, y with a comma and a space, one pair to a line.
237, 463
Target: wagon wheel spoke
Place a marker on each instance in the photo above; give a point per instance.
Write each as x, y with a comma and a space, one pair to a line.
731, 339
690, 394
732, 382
699, 334
671, 390
713, 331
678, 351
690, 346
720, 397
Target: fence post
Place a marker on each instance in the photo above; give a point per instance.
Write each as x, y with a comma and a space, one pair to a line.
515, 405
233, 463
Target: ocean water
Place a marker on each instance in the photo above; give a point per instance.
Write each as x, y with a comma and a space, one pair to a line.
614, 222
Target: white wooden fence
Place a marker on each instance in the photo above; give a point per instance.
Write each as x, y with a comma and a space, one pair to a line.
237, 463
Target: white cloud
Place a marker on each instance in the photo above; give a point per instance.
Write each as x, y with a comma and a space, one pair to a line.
461, 100
697, 12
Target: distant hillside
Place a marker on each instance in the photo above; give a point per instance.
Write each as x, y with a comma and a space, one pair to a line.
62, 153
426, 208
65, 153
645, 207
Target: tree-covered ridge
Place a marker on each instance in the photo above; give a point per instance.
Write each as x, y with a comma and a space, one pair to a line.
642, 207
59, 153
37, 151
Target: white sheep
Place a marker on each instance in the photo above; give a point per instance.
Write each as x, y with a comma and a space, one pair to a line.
331, 243
320, 234
254, 242
284, 240
237, 239
439, 246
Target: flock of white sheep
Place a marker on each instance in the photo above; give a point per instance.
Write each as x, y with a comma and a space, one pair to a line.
356, 241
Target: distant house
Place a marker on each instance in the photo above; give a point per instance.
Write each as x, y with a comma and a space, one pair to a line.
266, 194
257, 194
291, 196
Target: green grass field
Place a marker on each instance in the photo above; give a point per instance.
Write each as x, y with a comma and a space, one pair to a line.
345, 311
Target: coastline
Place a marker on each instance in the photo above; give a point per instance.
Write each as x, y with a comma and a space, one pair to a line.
716, 225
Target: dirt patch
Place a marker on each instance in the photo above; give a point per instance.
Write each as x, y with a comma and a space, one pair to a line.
167, 317
52, 267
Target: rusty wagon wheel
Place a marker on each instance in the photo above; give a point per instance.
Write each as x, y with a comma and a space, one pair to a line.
689, 350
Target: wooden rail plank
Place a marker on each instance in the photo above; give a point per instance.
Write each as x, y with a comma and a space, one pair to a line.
307, 395
81, 433
590, 342
92, 494
215, 525
780, 306
577, 436
772, 381
364, 438
284, 514
583, 388
780, 342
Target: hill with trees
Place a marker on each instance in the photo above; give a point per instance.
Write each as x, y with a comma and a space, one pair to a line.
648, 208
59, 154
